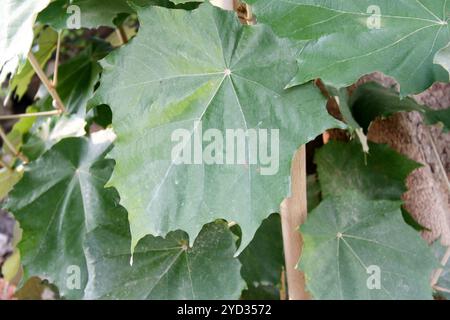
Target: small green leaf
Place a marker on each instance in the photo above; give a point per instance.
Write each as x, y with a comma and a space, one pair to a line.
355, 248
371, 100
381, 174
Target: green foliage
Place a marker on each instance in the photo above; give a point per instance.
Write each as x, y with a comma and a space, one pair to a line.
201, 68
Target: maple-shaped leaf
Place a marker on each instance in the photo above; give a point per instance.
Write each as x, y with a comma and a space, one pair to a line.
349, 39
355, 248
205, 72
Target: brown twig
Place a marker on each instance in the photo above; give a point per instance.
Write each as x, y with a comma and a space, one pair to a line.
283, 292
11, 146
31, 114
48, 85
439, 271
55, 72
437, 288
122, 35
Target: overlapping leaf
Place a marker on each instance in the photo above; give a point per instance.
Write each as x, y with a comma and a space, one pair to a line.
353, 38
205, 67
17, 18
357, 248
162, 268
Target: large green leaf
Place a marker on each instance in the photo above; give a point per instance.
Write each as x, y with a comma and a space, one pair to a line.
17, 18
228, 76
162, 268
381, 174
371, 100
346, 43
58, 200
349, 239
